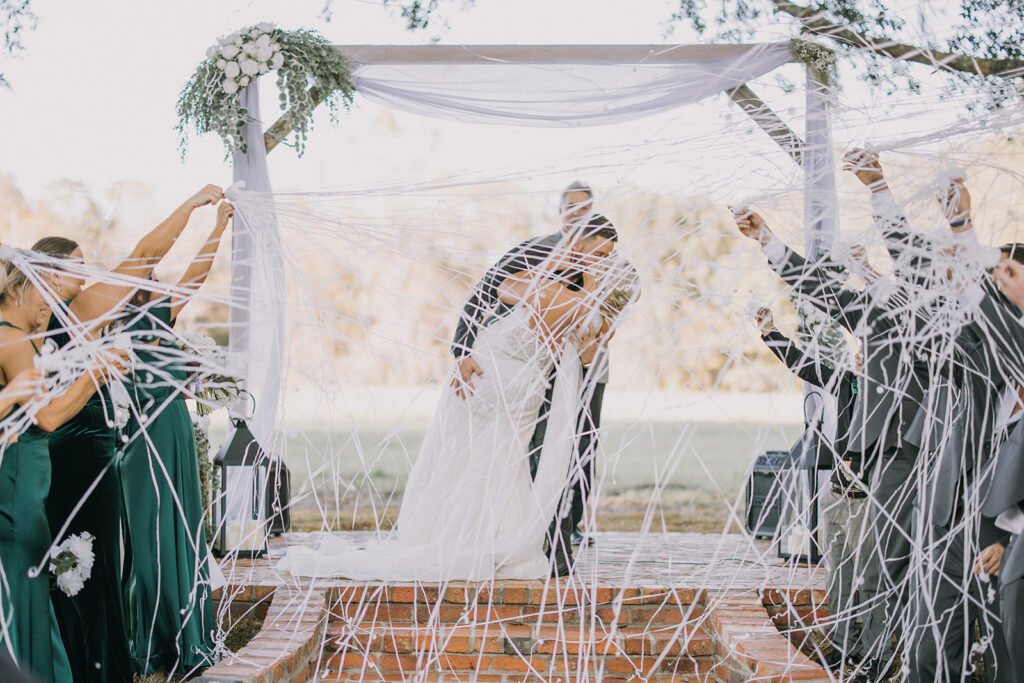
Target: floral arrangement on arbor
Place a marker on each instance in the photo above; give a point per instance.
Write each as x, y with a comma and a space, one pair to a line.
309, 70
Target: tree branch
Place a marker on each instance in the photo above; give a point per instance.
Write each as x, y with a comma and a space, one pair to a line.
814, 22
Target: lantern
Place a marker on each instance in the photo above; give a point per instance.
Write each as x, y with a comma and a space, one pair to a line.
801, 536
240, 509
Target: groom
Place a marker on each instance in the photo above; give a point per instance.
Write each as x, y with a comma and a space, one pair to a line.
483, 304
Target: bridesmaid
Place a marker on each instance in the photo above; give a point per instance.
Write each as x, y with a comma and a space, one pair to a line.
31, 634
167, 591
83, 453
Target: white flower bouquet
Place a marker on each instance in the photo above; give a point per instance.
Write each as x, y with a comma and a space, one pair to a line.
71, 563
309, 70
214, 384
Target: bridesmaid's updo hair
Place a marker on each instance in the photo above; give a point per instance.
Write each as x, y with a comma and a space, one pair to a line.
15, 284
61, 247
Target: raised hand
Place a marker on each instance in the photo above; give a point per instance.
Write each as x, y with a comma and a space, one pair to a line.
1009, 275
764, 320
751, 224
956, 205
225, 210
211, 194
463, 381
866, 166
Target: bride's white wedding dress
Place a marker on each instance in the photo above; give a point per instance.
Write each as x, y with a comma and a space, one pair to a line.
470, 510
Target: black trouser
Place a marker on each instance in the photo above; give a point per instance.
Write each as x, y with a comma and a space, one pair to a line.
587, 425
893, 495
949, 602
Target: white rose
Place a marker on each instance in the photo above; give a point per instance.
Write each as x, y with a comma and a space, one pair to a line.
255, 33
249, 48
229, 51
264, 67
70, 582
265, 26
212, 51
249, 67
221, 63
277, 62
264, 53
223, 40
243, 81
230, 87
263, 41
231, 69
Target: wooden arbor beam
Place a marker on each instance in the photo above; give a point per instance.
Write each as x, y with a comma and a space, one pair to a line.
768, 121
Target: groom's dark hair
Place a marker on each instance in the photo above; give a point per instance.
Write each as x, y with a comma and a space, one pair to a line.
599, 226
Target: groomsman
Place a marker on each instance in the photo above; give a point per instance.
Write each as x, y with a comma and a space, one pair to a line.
849, 557
1004, 499
483, 305
890, 392
957, 429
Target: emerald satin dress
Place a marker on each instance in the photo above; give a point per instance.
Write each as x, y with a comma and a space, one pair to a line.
167, 593
25, 605
83, 453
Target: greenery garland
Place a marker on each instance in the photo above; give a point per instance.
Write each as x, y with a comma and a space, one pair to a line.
309, 70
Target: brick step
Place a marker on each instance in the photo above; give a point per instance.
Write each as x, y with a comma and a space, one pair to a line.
547, 667
372, 637
450, 615
367, 677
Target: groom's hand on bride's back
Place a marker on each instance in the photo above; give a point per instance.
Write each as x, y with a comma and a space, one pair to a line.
463, 380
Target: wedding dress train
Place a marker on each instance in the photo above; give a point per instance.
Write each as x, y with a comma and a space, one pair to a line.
470, 510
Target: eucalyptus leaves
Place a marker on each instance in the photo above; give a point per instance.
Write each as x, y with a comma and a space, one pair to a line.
309, 70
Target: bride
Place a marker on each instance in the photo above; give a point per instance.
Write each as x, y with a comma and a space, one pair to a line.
470, 510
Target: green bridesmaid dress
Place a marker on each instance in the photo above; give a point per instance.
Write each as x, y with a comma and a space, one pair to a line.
167, 591
32, 634
83, 454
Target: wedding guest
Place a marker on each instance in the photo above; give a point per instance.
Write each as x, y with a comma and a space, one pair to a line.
169, 608
849, 557
83, 453
1004, 497
31, 635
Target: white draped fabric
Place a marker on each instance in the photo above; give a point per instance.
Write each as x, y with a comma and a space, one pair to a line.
555, 86
257, 283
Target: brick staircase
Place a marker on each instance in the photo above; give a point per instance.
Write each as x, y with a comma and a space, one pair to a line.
607, 624
517, 631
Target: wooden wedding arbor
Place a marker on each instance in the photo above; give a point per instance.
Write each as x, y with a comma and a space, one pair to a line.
666, 607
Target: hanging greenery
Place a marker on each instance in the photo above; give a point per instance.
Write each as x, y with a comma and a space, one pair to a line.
309, 70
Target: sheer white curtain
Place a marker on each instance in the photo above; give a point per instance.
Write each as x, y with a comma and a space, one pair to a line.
257, 281
555, 86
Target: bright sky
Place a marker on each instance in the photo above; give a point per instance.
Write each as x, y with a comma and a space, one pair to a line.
94, 97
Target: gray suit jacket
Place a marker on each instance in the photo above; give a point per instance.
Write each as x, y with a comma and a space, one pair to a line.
891, 383
1005, 477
